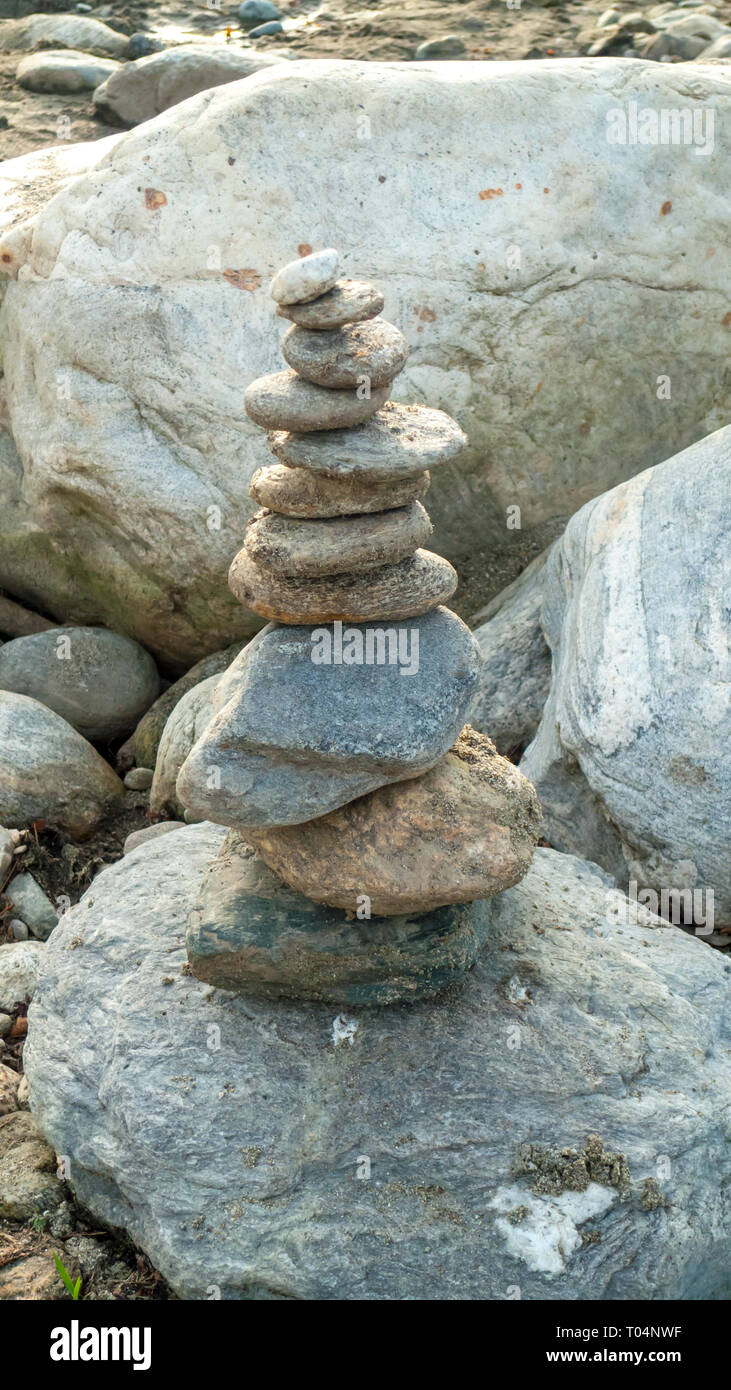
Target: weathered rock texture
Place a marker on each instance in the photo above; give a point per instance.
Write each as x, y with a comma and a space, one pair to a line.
275, 1151
548, 364
632, 759
465, 830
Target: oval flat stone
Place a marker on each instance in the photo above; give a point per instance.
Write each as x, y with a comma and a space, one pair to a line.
285, 401
338, 727
349, 301
249, 933
463, 831
352, 544
306, 278
398, 441
300, 492
405, 590
374, 351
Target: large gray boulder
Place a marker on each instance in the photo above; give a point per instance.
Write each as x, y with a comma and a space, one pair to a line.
632, 758
141, 90
538, 283
264, 1150
100, 681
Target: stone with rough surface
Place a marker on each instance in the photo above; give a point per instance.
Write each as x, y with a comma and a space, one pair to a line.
63, 70
141, 90
98, 681
28, 1181
403, 590
9, 1082
398, 442
623, 1034
465, 830
349, 301
300, 492
374, 351
31, 905
632, 758
335, 731
305, 279
285, 401
20, 965
250, 933
153, 331
48, 772
352, 544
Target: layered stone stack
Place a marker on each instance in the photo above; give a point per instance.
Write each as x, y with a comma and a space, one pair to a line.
340, 754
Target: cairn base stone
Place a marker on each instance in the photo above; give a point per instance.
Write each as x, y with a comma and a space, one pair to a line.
250, 933
227, 1135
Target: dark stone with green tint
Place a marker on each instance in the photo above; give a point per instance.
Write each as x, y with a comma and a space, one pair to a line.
250, 933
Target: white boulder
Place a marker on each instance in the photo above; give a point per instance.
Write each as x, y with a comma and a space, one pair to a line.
543, 287
63, 70
75, 31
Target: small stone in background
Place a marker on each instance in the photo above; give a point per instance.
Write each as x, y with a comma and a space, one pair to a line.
150, 832
64, 71
138, 779
20, 966
255, 12
274, 26
23, 1093
6, 1024
141, 45
32, 905
18, 930
451, 46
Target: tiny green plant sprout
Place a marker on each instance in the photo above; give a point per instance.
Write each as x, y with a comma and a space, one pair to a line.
73, 1288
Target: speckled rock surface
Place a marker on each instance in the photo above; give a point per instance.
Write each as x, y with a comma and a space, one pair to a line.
353, 544
304, 279
465, 830
437, 1150
374, 351
248, 932
399, 441
335, 730
300, 492
404, 590
285, 401
349, 301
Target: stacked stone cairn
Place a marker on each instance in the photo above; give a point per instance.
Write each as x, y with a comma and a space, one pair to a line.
369, 821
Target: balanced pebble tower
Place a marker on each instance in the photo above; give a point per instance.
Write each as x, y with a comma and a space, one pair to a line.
369, 821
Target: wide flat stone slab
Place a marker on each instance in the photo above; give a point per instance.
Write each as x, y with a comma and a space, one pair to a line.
338, 728
353, 544
374, 351
435, 1150
349, 301
285, 401
300, 492
404, 590
398, 441
464, 830
250, 933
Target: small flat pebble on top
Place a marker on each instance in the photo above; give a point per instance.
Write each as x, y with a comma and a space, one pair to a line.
306, 278
349, 301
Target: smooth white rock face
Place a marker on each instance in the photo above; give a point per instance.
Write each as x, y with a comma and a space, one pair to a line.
305, 279
141, 90
540, 319
632, 757
225, 1133
63, 70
